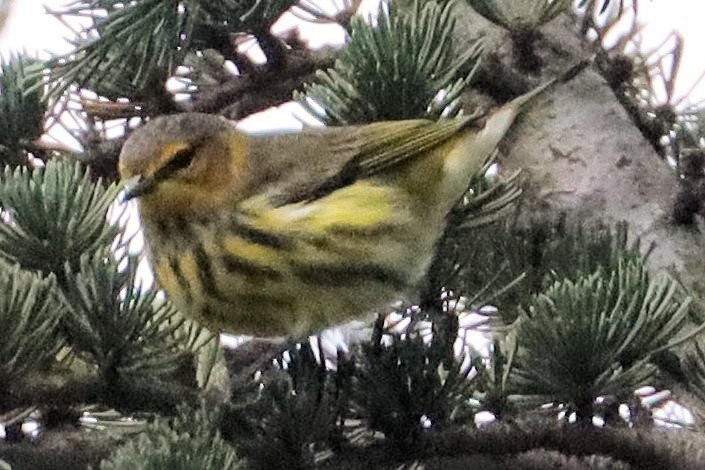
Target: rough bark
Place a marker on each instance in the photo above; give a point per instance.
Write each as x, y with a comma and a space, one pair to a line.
581, 154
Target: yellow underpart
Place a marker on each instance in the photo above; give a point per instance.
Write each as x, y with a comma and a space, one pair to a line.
358, 222
189, 268
254, 252
167, 278
362, 205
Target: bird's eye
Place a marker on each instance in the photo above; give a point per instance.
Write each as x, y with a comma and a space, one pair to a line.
181, 159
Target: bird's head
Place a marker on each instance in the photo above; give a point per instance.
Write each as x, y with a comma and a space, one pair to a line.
184, 163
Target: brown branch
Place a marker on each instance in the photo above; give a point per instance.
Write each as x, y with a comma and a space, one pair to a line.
258, 99
506, 445
245, 94
102, 157
273, 48
107, 110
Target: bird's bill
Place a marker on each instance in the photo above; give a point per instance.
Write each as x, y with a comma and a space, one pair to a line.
138, 186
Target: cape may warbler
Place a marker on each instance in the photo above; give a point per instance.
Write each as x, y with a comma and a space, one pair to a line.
285, 235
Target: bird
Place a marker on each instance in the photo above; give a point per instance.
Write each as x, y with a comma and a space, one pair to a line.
284, 235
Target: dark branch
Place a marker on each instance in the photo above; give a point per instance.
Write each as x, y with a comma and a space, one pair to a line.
245, 94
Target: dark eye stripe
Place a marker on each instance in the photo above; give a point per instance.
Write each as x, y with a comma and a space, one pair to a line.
181, 159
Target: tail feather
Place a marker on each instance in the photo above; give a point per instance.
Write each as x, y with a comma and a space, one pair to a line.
475, 150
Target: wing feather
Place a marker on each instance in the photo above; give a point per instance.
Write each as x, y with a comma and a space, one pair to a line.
311, 164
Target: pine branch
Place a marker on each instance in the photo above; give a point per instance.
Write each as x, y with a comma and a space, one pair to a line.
136, 47
536, 252
29, 317
281, 419
402, 68
486, 202
595, 337
116, 324
55, 214
693, 365
494, 387
408, 382
187, 442
128, 53
21, 110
